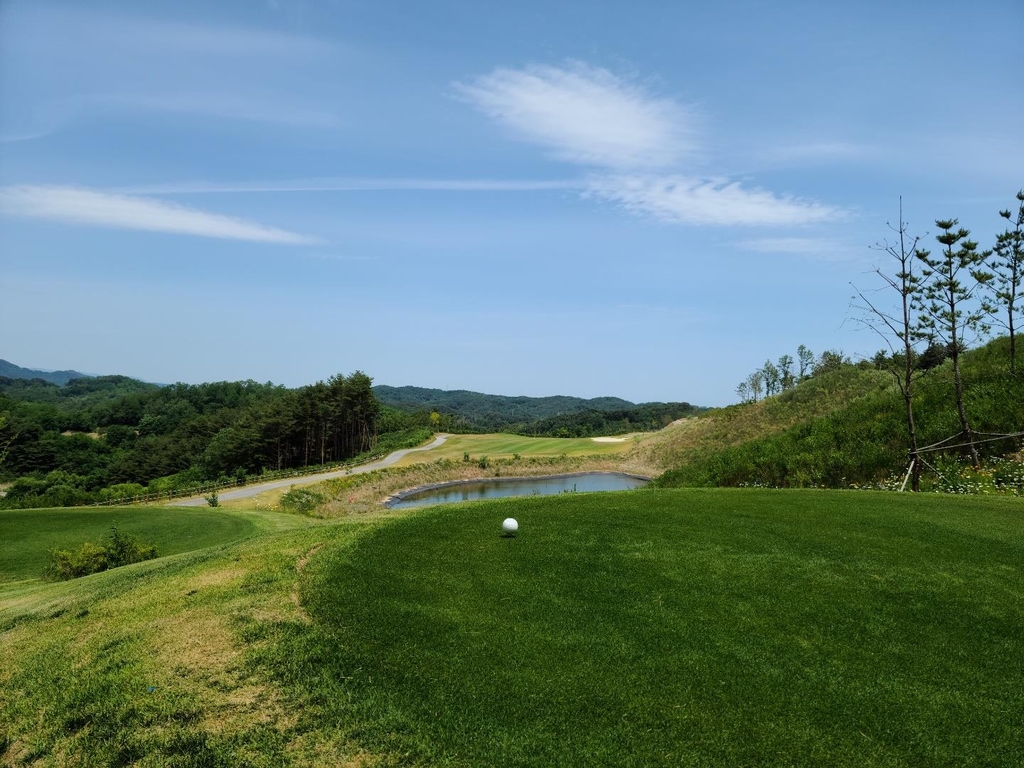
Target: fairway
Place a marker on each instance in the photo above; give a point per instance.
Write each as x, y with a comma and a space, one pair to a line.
26, 535
683, 627
501, 446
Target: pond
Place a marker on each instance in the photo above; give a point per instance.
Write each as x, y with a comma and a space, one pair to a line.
500, 487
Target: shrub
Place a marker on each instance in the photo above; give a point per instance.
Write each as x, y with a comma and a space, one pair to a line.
213, 500
118, 549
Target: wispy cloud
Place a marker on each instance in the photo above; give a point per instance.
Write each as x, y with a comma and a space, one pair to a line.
354, 185
636, 144
818, 248
700, 201
76, 205
585, 115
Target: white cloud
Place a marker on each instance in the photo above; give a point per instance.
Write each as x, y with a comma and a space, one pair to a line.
104, 209
585, 115
682, 200
640, 142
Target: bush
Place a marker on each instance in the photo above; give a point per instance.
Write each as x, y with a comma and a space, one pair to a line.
213, 500
301, 500
118, 549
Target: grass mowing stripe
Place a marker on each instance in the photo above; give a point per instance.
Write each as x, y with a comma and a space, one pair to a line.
693, 627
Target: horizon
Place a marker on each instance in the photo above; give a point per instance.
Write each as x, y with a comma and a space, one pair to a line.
631, 199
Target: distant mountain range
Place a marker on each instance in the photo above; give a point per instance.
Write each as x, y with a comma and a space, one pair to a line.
12, 371
475, 409
477, 405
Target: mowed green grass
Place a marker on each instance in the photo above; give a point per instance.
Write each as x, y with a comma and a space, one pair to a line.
683, 627
27, 535
497, 446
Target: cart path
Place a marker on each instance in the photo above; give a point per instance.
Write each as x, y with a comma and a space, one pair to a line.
251, 490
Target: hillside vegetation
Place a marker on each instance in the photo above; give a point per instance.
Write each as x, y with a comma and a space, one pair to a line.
843, 428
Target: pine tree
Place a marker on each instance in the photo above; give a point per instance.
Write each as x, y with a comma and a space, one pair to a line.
949, 307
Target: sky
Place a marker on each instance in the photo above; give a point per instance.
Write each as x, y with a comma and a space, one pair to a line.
638, 199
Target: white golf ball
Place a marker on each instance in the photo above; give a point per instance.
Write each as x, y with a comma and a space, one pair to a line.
510, 525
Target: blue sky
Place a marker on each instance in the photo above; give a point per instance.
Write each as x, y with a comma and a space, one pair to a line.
636, 199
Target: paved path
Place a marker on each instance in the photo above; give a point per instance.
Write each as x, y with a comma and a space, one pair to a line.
251, 490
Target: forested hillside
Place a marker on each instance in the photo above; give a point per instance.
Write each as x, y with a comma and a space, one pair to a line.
91, 437
556, 416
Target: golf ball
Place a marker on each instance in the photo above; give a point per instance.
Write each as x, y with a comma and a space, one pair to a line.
510, 525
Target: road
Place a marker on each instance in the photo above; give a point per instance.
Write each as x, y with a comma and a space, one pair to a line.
251, 490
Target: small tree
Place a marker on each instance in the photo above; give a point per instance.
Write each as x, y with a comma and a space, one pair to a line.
1007, 265
948, 305
786, 378
830, 360
756, 383
743, 390
805, 359
772, 378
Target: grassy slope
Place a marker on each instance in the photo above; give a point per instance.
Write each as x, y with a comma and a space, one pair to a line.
846, 427
683, 627
147, 664
700, 436
30, 533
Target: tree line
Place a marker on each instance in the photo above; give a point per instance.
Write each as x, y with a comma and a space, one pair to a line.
67, 443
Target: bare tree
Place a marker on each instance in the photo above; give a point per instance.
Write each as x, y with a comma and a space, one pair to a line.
898, 326
1007, 265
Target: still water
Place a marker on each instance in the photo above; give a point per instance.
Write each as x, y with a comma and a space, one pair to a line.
517, 486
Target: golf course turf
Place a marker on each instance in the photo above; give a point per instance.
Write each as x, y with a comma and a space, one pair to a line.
653, 627
29, 534
674, 627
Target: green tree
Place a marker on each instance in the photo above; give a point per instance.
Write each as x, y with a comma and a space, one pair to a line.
756, 383
948, 305
1007, 265
786, 378
772, 378
805, 359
